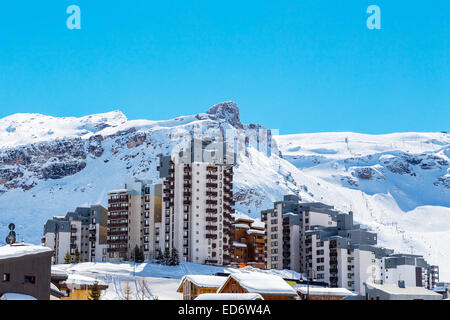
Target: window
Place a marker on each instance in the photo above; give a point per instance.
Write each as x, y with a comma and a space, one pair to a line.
29, 279
6, 277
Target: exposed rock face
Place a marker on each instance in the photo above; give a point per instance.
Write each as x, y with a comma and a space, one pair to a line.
61, 170
227, 111
365, 173
20, 166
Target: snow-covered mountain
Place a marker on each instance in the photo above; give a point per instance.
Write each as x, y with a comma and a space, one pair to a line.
396, 184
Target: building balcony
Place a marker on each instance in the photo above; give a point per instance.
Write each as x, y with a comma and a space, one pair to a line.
211, 219
211, 185
211, 193
211, 168
117, 217
214, 202
211, 176
211, 236
187, 202
211, 210
118, 225
212, 228
211, 261
117, 233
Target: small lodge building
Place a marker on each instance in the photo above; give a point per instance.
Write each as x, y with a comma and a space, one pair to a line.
25, 271
392, 291
317, 293
191, 286
270, 287
78, 287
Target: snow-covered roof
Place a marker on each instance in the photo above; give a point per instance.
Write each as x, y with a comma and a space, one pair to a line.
21, 249
239, 244
325, 291
241, 225
394, 289
203, 281
262, 283
56, 272
229, 296
255, 231
118, 191
77, 279
16, 296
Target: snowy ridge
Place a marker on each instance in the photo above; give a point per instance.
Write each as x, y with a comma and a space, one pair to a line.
396, 184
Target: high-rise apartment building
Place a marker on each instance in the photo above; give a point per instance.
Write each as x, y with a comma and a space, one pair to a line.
197, 203
327, 245
84, 229
134, 219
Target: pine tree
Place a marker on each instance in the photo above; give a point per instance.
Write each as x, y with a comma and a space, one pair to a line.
67, 258
95, 292
166, 258
136, 254
159, 256
174, 261
77, 256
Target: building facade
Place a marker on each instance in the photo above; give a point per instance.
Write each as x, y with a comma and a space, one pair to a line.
25, 269
324, 244
83, 229
247, 244
134, 219
197, 204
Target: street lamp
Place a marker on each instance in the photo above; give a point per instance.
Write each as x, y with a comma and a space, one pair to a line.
307, 279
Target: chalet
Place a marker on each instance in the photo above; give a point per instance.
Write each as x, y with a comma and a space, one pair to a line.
78, 287
194, 285
25, 271
270, 287
248, 244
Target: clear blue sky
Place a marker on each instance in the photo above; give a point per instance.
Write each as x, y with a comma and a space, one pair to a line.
300, 66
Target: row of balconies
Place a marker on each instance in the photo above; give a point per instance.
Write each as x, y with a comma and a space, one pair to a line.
117, 217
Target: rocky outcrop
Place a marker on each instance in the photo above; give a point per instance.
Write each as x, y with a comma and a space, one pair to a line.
227, 111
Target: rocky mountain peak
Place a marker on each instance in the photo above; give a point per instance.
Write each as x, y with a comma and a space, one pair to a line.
228, 111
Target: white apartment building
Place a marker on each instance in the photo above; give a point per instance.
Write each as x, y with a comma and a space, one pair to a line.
198, 195
84, 229
286, 227
325, 245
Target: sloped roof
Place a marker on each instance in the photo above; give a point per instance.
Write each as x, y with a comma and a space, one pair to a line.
203, 281
229, 296
325, 291
18, 250
394, 289
262, 283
